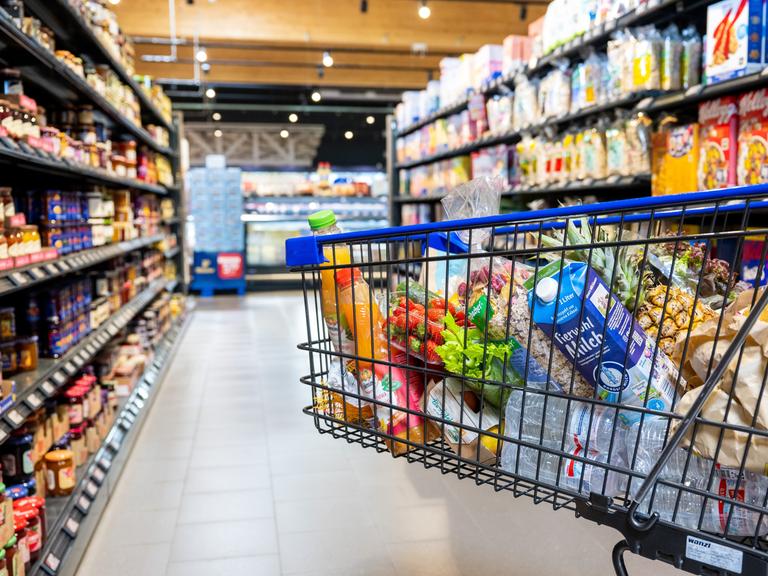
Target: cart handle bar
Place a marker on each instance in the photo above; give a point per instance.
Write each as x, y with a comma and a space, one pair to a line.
306, 250
690, 416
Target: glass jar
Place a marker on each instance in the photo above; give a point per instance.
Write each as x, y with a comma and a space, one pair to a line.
31, 237
39, 503
27, 353
20, 528
34, 528
12, 557
7, 324
15, 243
9, 208
77, 444
16, 458
9, 358
60, 469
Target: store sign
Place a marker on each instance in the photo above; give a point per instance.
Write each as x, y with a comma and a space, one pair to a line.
230, 265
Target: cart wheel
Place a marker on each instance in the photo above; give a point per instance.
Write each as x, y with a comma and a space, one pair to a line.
618, 558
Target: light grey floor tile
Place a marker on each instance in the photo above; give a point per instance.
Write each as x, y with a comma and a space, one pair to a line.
267, 565
149, 496
223, 506
224, 540
147, 560
230, 479
228, 455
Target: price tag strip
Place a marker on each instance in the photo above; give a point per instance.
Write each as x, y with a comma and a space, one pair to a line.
37, 273
18, 278
51, 269
91, 489
83, 504
14, 417
47, 388
33, 400
71, 526
52, 563
105, 463
70, 369
60, 378
98, 475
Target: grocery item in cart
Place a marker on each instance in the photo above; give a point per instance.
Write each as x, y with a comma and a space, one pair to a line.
340, 403
594, 330
738, 398
719, 121
735, 39
683, 506
449, 400
753, 138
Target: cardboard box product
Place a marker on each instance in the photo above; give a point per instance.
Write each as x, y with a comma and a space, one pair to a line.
735, 43
753, 138
675, 159
718, 146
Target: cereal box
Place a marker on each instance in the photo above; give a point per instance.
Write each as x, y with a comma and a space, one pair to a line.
718, 155
675, 160
734, 41
753, 138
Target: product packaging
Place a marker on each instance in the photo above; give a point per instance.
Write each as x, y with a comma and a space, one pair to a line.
675, 159
735, 43
719, 134
753, 138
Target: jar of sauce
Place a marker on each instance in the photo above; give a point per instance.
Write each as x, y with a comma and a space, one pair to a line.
77, 444
60, 469
7, 324
39, 503
20, 528
27, 352
34, 528
12, 556
16, 458
75, 398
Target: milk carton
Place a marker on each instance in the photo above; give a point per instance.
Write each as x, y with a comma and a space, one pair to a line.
612, 353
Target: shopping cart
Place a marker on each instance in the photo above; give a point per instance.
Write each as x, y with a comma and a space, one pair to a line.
607, 359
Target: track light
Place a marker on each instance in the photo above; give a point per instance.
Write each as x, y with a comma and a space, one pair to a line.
316, 96
424, 11
210, 93
293, 118
284, 133
218, 133
205, 67
349, 134
327, 59
201, 55
216, 116
370, 119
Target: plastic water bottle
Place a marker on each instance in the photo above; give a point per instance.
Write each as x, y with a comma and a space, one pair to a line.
664, 499
568, 428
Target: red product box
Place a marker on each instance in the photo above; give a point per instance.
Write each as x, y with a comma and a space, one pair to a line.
753, 138
718, 156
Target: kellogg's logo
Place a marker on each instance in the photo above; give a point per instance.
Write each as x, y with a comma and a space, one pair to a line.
756, 101
718, 111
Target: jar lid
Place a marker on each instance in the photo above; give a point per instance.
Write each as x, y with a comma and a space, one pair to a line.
12, 540
19, 522
24, 508
38, 501
59, 455
2, 553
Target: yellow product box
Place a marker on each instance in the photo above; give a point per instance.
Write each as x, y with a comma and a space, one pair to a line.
675, 160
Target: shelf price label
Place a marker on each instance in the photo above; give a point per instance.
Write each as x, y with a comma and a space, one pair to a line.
91, 488
14, 417
71, 526
18, 278
52, 562
83, 504
47, 388
64, 265
105, 463
69, 368
51, 268
3, 435
115, 444
83, 355
37, 273
60, 378
90, 348
33, 400
98, 475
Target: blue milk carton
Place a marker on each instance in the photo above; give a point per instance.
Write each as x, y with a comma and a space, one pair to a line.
612, 353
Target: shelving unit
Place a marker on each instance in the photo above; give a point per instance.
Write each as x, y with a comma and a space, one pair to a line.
683, 101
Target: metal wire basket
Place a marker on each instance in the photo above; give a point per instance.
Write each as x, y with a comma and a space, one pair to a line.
609, 359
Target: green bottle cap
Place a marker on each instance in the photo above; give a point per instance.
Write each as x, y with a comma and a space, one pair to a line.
11, 542
321, 219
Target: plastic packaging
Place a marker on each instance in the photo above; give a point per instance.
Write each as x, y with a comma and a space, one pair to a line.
671, 58
690, 57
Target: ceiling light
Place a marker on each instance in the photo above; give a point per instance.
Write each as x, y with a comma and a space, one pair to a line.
293, 117
316, 96
216, 116
218, 133
201, 55
370, 119
327, 59
114, 2
205, 67
349, 135
210, 93
424, 11
284, 133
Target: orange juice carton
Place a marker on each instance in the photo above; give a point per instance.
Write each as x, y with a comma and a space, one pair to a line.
753, 138
719, 122
735, 42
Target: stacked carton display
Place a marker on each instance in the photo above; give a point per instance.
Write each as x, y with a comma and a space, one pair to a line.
216, 203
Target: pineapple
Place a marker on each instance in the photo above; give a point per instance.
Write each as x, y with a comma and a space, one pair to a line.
677, 313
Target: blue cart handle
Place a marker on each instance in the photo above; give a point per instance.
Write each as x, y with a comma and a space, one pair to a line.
307, 250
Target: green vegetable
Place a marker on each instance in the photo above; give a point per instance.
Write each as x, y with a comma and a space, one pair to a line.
468, 361
415, 292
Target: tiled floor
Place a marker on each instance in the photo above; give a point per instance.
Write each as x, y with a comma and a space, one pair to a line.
229, 478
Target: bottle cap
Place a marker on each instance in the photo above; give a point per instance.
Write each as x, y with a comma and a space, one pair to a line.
546, 289
321, 219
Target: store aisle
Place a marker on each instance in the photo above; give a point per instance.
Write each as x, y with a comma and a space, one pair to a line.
229, 478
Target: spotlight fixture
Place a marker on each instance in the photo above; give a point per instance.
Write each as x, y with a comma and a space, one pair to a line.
218, 133
216, 116
424, 11
349, 134
201, 55
327, 59
205, 67
114, 2
293, 117
316, 96
284, 133
370, 120
210, 93
363, 6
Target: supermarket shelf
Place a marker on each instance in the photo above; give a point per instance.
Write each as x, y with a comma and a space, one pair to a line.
34, 274
696, 94
27, 159
68, 25
428, 199
171, 221
47, 73
33, 387
171, 252
444, 112
73, 519
484, 142
584, 187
